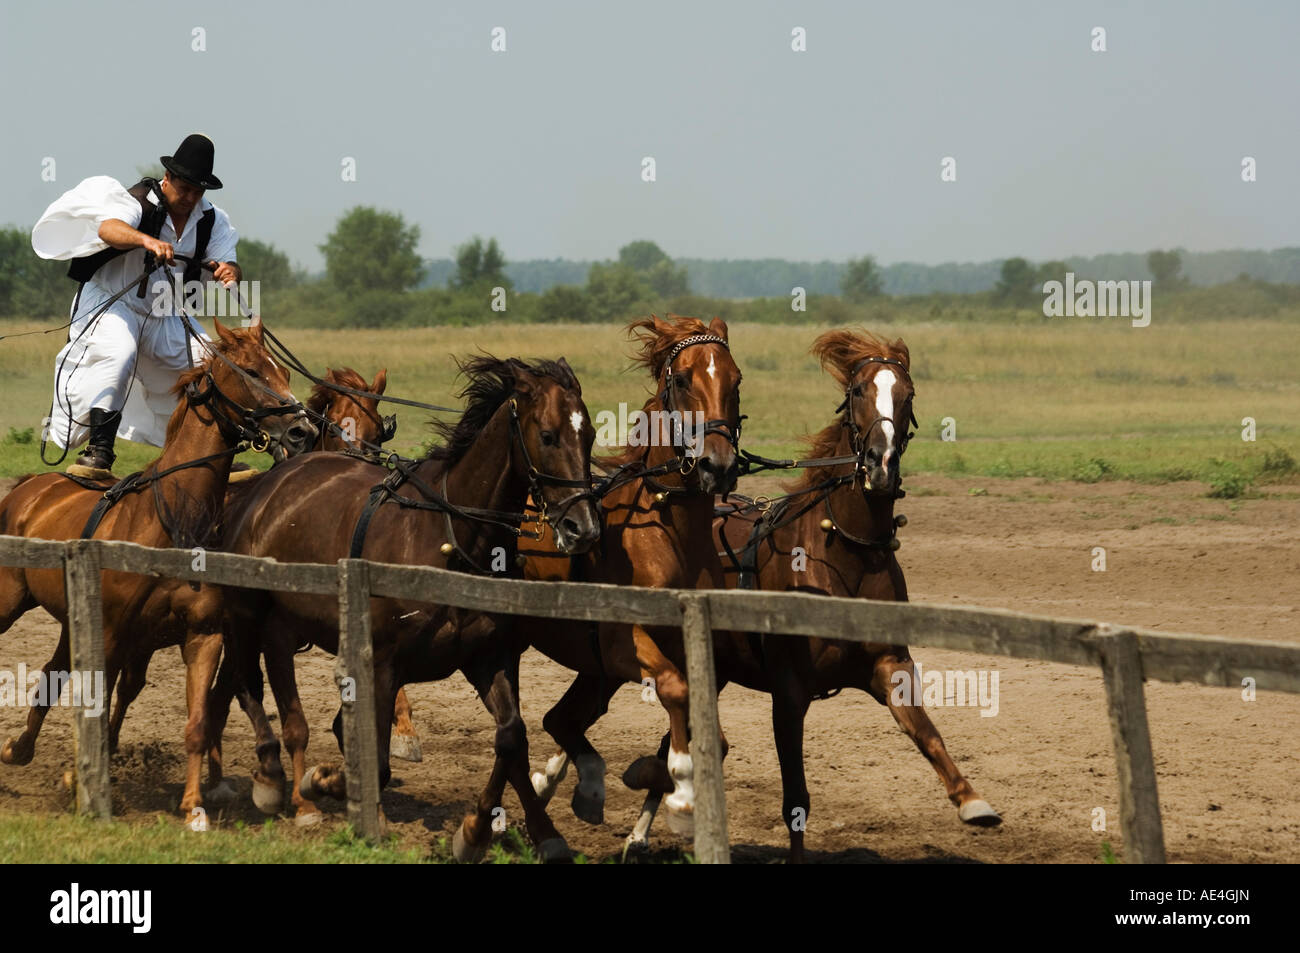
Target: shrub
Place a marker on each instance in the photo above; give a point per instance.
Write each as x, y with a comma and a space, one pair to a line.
1228, 483
1092, 471
1278, 462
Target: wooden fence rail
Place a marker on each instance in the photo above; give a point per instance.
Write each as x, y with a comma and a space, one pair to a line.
1126, 657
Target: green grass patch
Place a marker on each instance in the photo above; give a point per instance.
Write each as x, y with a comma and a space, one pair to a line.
68, 839
1029, 399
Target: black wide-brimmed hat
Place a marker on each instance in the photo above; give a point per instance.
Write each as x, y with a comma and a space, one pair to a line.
193, 162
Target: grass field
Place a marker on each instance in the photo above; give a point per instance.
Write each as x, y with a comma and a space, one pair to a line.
69, 839
1070, 400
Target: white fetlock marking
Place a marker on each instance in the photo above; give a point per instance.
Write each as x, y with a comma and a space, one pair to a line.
682, 771
640, 835
545, 783
591, 776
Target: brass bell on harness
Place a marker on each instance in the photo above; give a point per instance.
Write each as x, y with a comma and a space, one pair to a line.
660, 497
521, 560
446, 549
828, 525
894, 545
900, 520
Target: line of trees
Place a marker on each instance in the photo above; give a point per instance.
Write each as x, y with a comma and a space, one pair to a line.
1021, 283
374, 276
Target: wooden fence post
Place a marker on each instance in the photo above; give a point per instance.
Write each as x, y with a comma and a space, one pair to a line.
86, 635
711, 845
1139, 805
354, 671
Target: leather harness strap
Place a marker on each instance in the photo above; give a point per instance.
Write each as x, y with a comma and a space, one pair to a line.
105, 503
152, 218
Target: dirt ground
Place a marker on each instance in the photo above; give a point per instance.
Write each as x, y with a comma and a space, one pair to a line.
1176, 561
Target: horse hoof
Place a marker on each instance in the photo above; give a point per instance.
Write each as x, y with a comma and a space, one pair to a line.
464, 851
406, 747
979, 814
308, 818
681, 822
220, 794
588, 808
14, 753
554, 850
268, 797
307, 786
635, 849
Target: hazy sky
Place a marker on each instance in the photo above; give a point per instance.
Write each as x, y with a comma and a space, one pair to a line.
760, 151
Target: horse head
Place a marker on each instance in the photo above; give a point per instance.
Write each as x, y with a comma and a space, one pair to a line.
698, 397
248, 393
356, 420
877, 405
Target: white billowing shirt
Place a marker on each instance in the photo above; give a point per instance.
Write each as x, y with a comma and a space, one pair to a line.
70, 229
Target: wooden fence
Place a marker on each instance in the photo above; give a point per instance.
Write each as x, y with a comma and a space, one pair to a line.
1126, 656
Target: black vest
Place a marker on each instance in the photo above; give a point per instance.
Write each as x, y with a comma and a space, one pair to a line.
151, 223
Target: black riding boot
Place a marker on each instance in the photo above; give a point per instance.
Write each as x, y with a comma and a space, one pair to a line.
99, 453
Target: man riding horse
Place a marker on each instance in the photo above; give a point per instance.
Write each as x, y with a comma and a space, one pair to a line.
115, 374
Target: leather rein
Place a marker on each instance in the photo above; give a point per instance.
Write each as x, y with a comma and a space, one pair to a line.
435, 501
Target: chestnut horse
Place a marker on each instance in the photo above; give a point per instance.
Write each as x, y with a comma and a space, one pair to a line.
344, 421
842, 517
239, 393
348, 422
525, 429
356, 421
656, 532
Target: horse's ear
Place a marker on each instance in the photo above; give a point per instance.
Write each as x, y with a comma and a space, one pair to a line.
224, 332
903, 355
569, 370
719, 327
525, 379
381, 381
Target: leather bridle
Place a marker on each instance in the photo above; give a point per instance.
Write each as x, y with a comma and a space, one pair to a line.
537, 479
858, 438
668, 394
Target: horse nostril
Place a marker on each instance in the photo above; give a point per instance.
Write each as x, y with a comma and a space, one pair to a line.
570, 526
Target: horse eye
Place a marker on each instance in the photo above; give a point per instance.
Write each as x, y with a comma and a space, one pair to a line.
252, 372
548, 438
680, 380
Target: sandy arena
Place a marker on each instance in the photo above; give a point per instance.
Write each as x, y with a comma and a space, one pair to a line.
1176, 561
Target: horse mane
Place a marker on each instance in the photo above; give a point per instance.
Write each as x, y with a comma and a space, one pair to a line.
191, 376
490, 381
322, 395
655, 340
839, 353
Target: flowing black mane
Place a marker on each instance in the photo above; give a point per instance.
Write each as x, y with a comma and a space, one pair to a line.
490, 382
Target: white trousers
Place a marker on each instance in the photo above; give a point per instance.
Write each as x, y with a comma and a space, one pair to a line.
122, 352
